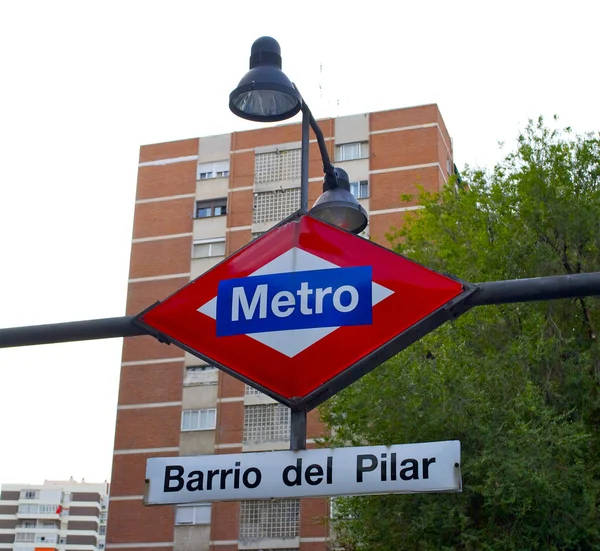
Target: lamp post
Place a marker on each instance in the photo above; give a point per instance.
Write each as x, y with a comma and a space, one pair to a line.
266, 94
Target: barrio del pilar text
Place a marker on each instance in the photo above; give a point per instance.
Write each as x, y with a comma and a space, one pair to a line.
388, 467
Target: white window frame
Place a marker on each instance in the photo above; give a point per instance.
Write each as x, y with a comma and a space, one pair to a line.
198, 516
341, 155
211, 204
216, 169
208, 242
204, 418
359, 185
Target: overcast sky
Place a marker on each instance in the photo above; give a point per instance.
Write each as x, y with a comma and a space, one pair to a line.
84, 84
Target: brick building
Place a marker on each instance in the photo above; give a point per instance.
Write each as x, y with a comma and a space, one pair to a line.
197, 201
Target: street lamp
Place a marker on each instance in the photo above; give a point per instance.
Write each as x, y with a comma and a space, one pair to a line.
266, 94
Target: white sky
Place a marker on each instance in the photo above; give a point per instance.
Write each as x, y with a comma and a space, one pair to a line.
84, 84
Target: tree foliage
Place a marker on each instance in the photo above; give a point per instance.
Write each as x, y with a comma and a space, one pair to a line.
517, 384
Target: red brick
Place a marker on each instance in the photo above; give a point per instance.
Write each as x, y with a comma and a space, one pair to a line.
230, 422
158, 258
240, 208
398, 118
148, 428
237, 239
314, 546
313, 517
168, 150
225, 519
137, 349
382, 224
142, 294
132, 522
166, 180
406, 148
163, 218
129, 472
230, 386
151, 383
314, 426
388, 188
242, 169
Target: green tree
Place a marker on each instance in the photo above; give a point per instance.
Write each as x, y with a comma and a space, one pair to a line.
517, 384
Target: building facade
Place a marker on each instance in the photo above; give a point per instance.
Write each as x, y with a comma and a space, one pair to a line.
197, 201
54, 516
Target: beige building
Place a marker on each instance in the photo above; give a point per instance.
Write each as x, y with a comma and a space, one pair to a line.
53, 516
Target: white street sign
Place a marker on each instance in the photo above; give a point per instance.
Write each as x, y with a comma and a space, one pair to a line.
398, 469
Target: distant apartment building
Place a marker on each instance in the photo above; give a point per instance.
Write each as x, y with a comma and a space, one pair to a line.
198, 201
53, 516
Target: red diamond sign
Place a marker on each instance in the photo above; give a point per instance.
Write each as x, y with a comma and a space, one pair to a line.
304, 310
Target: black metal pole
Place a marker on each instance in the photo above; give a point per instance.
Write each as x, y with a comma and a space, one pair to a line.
106, 328
304, 161
536, 288
327, 166
298, 429
308, 117
489, 292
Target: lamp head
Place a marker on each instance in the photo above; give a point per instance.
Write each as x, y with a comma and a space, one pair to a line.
265, 93
337, 206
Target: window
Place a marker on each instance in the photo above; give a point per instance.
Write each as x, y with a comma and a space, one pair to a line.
100, 546
200, 368
360, 190
24, 537
277, 518
39, 509
66, 497
198, 419
195, 514
30, 494
103, 517
205, 248
102, 529
62, 541
277, 166
266, 423
206, 171
274, 206
352, 151
215, 207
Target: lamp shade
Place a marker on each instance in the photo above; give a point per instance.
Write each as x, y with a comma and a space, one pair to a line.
265, 93
340, 208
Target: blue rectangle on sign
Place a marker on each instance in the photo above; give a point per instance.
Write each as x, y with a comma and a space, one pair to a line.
298, 300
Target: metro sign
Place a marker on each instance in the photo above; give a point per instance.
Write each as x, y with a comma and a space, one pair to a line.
304, 310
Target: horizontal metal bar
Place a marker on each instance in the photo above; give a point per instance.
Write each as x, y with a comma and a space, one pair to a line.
490, 292
534, 289
105, 328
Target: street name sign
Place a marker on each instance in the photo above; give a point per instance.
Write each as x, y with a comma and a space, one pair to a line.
397, 469
304, 310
